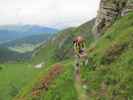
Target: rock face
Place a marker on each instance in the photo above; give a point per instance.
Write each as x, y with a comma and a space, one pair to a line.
108, 12
128, 8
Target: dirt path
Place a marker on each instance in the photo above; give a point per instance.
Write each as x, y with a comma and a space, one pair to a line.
78, 85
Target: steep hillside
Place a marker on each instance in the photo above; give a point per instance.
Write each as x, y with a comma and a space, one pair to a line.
108, 76
109, 73
47, 54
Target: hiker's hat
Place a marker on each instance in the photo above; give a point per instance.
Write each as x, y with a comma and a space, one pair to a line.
78, 39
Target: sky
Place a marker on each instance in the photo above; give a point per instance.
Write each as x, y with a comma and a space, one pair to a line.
52, 13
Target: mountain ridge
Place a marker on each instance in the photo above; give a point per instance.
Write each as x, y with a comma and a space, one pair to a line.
8, 33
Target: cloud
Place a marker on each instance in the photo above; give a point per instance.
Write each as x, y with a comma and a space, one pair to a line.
56, 13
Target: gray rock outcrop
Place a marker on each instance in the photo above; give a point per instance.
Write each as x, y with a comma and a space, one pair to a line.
128, 8
108, 12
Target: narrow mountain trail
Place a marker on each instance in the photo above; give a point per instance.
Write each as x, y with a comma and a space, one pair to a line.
78, 85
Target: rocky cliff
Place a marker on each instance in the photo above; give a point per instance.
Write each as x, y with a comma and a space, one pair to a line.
108, 12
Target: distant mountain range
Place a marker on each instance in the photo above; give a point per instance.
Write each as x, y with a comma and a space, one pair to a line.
19, 41
28, 43
13, 32
33, 39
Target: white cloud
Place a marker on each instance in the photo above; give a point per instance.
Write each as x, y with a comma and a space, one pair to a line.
57, 13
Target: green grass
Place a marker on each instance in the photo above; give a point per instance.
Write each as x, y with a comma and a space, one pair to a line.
27, 89
108, 75
62, 87
13, 77
113, 59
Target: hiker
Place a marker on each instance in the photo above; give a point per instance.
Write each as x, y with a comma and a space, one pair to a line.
79, 49
79, 46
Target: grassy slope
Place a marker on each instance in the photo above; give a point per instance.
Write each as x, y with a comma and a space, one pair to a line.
13, 77
61, 89
47, 53
113, 59
112, 73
